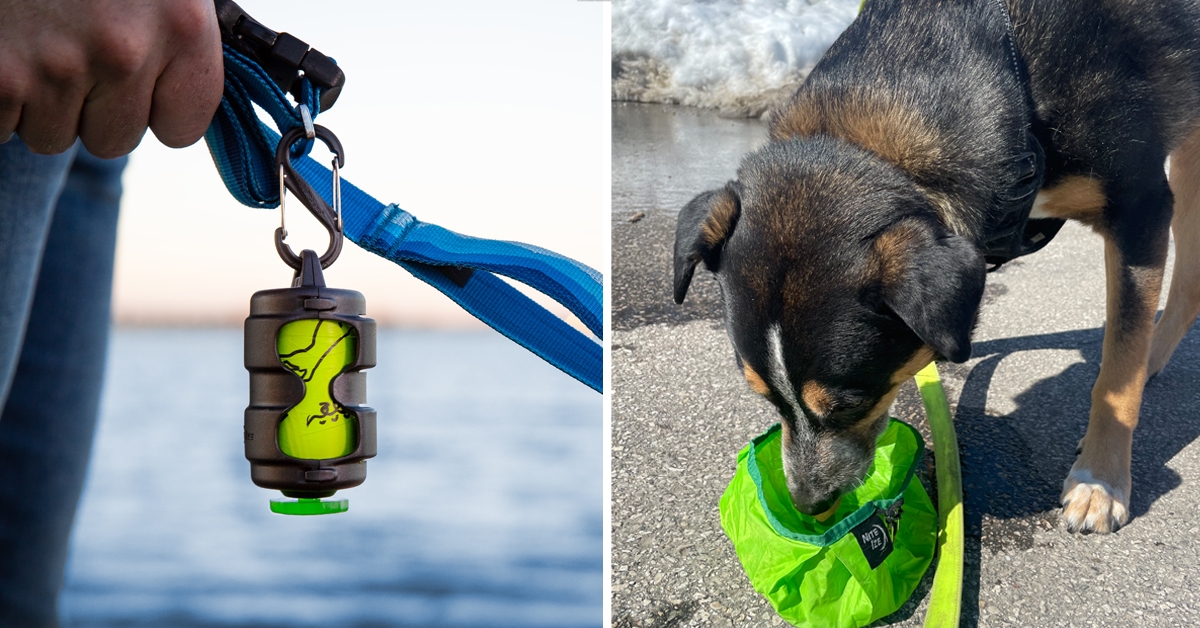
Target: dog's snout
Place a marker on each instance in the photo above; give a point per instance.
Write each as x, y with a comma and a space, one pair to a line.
817, 507
820, 468
815, 495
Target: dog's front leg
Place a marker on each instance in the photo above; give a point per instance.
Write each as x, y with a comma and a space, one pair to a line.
1095, 494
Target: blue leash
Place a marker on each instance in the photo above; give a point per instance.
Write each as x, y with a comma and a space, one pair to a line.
461, 267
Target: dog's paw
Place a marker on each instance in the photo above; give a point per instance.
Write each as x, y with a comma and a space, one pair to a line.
1093, 505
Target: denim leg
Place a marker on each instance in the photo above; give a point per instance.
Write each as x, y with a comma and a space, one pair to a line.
49, 417
29, 188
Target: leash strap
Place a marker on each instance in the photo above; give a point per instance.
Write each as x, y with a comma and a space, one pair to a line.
242, 147
461, 267
1010, 232
945, 597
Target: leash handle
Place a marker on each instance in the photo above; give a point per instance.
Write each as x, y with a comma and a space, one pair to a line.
286, 59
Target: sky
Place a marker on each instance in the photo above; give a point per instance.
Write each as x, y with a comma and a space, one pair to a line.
487, 118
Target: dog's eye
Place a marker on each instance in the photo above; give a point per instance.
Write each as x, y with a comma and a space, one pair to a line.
851, 404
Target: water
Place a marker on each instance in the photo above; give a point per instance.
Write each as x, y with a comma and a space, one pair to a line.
663, 156
483, 507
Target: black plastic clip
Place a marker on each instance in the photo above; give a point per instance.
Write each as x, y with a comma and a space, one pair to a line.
891, 516
286, 58
1007, 235
329, 217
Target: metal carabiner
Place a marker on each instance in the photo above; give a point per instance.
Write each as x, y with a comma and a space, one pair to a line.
289, 179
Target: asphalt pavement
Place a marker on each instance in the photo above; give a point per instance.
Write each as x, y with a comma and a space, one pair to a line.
681, 412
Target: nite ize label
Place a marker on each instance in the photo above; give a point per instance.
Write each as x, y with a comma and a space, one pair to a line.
317, 351
874, 540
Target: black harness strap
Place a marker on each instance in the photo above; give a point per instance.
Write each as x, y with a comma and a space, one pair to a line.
1008, 232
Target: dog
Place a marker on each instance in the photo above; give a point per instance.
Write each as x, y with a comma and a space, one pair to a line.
851, 249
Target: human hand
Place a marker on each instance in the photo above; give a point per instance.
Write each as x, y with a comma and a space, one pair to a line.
104, 70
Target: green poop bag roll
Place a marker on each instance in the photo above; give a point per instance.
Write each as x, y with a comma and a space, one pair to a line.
317, 351
854, 567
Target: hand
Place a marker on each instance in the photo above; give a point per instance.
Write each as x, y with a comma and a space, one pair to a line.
104, 70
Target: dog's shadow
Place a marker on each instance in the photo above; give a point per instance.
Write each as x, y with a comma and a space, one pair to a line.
1013, 463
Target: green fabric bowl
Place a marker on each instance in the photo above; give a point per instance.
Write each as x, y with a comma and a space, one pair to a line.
818, 574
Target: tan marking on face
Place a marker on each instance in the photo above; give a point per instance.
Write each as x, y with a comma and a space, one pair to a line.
865, 426
755, 380
1076, 197
918, 361
716, 226
816, 397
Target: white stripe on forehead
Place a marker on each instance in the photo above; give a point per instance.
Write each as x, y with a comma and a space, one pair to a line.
778, 370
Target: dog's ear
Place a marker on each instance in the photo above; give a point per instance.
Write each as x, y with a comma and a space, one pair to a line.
703, 226
933, 281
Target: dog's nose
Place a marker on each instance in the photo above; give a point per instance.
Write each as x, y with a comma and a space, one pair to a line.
816, 508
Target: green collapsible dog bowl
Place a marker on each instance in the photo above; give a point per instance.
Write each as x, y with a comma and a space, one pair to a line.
862, 563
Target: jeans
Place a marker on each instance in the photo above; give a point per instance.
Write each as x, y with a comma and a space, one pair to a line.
58, 224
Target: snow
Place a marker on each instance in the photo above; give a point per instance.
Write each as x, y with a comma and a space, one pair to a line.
737, 56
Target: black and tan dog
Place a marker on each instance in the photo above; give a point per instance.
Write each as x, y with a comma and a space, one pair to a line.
850, 250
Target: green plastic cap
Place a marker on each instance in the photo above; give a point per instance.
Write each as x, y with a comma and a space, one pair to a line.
309, 506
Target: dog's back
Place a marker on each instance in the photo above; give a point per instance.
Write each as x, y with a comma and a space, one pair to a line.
929, 86
1105, 73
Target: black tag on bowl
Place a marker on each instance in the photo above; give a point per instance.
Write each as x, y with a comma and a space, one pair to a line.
873, 538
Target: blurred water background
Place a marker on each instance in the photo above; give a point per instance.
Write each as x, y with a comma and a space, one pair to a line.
483, 507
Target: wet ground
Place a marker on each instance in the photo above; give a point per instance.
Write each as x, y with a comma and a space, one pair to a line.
681, 412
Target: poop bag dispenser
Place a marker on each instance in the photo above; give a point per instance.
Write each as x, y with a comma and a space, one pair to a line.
307, 431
